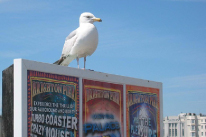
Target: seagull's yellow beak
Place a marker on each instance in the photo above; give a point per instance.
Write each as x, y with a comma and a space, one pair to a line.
97, 19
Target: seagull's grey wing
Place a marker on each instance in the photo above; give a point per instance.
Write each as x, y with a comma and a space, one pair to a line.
72, 34
69, 43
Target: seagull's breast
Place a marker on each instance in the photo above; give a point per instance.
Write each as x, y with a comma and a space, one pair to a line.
86, 42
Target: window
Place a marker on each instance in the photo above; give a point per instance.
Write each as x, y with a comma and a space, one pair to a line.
193, 128
176, 125
193, 134
205, 126
193, 121
202, 127
175, 132
183, 132
183, 125
202, 133
169, 124
170, 132
202, 120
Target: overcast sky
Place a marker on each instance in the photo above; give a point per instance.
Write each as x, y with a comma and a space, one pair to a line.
162, 40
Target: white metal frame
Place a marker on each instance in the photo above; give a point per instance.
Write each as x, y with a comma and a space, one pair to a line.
20, 89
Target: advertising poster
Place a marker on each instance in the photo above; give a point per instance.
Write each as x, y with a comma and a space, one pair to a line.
143, 111
102, 109
53, 105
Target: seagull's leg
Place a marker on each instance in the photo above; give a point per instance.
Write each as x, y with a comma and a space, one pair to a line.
84, 62
77, 62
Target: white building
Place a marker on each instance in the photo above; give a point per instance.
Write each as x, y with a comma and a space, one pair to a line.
185, 125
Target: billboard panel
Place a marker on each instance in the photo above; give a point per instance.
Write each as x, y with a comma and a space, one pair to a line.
142, 111
52, 100
102, 109
52, 105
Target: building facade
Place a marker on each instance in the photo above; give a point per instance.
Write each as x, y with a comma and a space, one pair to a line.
185, 125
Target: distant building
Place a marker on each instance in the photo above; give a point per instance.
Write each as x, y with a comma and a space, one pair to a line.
185, 125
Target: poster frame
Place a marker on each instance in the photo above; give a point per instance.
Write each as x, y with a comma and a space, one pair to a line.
20, 89
142, 96
97, 90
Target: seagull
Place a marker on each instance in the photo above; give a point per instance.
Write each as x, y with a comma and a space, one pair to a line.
81, 42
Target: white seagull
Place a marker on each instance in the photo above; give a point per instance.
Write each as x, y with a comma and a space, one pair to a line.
81, 42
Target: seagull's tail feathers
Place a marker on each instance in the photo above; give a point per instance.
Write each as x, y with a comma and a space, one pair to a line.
60, 60
56, 62
64, 61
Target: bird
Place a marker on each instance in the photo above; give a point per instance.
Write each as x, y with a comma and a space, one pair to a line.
81, 42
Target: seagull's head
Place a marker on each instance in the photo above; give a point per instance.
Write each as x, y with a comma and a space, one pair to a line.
87, 17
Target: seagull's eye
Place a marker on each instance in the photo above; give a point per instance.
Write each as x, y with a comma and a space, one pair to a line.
88, 16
